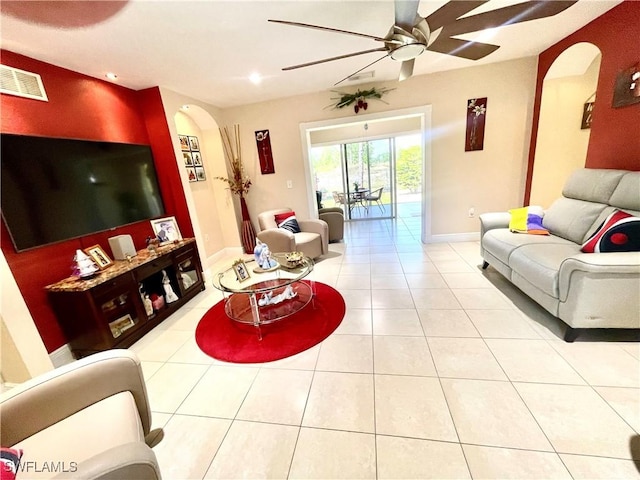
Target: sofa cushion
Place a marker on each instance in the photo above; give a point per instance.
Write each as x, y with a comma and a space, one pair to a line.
626, 195
592, 185
540, 264
501, 242
288, 221
109, 423
620, 232
9, 462
571, 219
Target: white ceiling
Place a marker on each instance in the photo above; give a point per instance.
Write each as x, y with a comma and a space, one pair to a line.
207, 49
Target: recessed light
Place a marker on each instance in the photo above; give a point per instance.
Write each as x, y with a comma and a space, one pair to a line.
255, 78
111, 76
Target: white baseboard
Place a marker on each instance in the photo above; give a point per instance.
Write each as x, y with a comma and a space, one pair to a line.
455, 237
61, 356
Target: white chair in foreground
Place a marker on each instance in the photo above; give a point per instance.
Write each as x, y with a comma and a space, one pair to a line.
90, 418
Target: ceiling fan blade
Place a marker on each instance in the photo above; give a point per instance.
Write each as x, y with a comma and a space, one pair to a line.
339, 57
406, 70
462, 48
358, 71
328, 29
518, 13
450, 12
406, 12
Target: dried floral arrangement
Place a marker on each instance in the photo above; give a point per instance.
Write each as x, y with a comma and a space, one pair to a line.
359, 98
239, 183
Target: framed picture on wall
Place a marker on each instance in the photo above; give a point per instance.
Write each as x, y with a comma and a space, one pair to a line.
197, 159
191, 173
194, 145
184, 142
200, 174
188, 159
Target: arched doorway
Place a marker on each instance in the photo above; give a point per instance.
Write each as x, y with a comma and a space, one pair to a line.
561, 144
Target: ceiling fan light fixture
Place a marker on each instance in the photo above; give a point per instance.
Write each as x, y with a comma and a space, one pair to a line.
408, 52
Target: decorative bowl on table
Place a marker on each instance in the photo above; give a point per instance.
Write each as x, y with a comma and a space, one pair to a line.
294, 259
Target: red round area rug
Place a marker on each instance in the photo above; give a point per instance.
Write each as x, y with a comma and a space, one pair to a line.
224, 339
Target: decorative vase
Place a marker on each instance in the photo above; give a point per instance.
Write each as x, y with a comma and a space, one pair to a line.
248, 232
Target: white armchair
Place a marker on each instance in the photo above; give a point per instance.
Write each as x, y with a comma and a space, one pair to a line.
312, 240
89, 417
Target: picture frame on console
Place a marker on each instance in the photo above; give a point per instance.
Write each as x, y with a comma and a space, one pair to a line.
166, 229
99, 256
241, 271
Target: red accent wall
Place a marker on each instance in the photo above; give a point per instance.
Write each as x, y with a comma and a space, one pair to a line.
614, 141
84, 107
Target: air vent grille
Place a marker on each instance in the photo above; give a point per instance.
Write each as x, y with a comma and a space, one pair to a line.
23, 84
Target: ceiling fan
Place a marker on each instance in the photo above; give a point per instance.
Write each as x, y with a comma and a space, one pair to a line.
411, 35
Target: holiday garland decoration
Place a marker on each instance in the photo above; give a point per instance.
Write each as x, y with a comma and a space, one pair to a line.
359, 98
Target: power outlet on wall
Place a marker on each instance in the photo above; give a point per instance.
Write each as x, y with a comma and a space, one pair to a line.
472, 212
289, 184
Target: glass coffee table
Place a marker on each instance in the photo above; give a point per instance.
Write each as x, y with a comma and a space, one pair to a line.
265, 296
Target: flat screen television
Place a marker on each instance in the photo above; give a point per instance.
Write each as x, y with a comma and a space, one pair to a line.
55, 189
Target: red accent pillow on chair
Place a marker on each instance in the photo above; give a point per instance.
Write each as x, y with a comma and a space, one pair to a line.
288, 221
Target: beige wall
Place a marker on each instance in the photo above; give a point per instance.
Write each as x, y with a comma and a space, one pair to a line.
488, 180
561, 146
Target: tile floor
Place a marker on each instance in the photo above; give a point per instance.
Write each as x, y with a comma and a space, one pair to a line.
438, 370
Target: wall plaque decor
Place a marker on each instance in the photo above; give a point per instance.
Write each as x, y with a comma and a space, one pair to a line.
476, 113
587, 115
627, 88
263, 141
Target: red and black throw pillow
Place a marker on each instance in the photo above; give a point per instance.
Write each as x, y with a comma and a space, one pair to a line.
288, 221
620, 232
9, 463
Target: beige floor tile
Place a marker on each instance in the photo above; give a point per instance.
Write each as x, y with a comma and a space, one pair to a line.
181, 377
185, 319
592, 468
446, 323
419, 459
354, 282
501, 324
346, 353
434, 299
396, 322
453, 266
395, 355
492, 413
625, 401
387, 249
385, 257
412, 407
504, 463
341, 401
302, 361
351, 258
189, 444
190, 352
443, 255
150, 368
417, 265
328, 454
425, 280
601, 364
532, 361
160, 345
277, 396
356, 298
391, 299
388, 281
632, 348
255, 450
481, 299
386, 268
464, 358
355, 269
466, 280
577, 420
220, 392
356, 321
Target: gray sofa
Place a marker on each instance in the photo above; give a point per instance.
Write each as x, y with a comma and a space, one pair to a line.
585, 290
